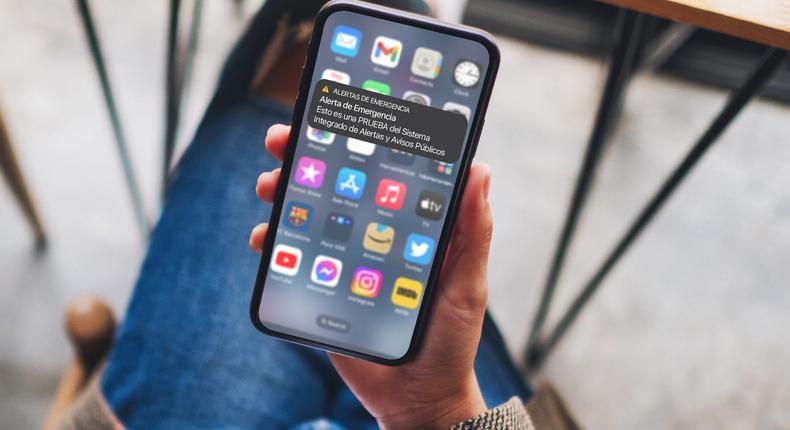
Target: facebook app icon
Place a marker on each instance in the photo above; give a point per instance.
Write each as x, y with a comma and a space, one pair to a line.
350, 183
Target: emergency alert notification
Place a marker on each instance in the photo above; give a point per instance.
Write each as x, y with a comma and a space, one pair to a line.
388, 121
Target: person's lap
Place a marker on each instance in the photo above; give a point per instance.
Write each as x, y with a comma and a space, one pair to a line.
186, 355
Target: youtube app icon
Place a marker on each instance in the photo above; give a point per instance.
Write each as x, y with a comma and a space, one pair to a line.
286, 259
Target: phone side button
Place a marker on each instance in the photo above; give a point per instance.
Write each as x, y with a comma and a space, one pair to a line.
477, 138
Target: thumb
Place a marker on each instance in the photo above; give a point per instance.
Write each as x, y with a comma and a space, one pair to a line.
465, 269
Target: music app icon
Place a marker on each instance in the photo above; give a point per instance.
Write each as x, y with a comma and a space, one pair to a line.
391, 194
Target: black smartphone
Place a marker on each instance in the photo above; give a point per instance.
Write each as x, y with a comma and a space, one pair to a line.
388, 116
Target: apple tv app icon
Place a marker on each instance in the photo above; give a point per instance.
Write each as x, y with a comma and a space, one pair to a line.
431, 205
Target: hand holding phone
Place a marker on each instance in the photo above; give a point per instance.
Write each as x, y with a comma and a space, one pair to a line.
438, 388
387, 120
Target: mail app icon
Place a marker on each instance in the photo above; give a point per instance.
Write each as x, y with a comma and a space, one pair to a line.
346, 41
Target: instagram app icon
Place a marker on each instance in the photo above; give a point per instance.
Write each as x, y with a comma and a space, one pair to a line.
367, 282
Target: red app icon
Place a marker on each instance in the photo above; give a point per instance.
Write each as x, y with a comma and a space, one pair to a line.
390, 194
286, 260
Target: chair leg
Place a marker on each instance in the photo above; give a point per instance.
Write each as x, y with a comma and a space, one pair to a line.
90, 325
13, 174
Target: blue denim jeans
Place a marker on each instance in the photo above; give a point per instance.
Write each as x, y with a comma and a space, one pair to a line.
186, 355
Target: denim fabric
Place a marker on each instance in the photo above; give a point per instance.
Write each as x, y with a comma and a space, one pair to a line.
186, 355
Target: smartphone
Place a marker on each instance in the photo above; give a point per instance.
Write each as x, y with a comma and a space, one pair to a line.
387, 120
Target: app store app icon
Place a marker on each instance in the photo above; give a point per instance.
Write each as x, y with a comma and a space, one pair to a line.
350, 183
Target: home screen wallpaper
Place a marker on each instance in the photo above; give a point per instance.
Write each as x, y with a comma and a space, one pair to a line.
361, 220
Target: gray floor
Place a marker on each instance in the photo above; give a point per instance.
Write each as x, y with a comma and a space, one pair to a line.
690, 331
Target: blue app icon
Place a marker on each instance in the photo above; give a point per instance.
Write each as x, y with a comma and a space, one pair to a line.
350, 183
419, 249
346, 40
298, 215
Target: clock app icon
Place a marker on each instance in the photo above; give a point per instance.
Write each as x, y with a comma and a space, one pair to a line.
466, 73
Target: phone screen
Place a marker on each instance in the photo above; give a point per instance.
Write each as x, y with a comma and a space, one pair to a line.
366, 204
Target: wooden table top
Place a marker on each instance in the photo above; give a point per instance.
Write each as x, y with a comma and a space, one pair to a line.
762, 21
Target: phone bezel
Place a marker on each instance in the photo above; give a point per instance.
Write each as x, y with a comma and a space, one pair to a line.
301, 104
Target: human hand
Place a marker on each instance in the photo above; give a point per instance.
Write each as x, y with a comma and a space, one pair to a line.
438, 388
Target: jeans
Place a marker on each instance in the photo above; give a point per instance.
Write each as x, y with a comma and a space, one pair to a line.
186, 355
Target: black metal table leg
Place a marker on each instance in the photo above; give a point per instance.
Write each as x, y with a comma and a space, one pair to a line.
109, 99
172, 87
624, 48
752, 87
177, 73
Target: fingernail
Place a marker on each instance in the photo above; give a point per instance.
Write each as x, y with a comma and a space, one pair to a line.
486, 186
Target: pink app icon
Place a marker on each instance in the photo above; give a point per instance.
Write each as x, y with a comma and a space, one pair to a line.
390, 194
310, 172
367, 282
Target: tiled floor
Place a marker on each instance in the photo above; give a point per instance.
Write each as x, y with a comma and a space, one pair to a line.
690, 330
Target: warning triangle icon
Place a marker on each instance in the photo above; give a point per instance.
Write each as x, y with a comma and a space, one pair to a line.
326, 89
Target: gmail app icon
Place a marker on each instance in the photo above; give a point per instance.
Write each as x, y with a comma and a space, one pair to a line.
386, 52
346, 41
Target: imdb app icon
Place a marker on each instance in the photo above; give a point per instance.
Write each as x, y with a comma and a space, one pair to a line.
406, 293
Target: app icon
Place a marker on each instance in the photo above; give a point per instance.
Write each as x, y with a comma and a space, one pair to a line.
426, 63
376, 87
350, 183
416, 97
406, 293
310, 172
390, 194
346, 40
466, 73
442, 167
326, 270
458, 108
299, 215
319, 136
386, 52
400, 157
419, 249
367, 282
378, 238
285, 259
430, 205
360, 146
336, 75
338, 226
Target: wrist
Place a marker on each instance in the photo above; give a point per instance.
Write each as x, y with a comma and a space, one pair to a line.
458, 406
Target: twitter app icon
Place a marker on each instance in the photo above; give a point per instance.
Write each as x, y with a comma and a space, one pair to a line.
419, 249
